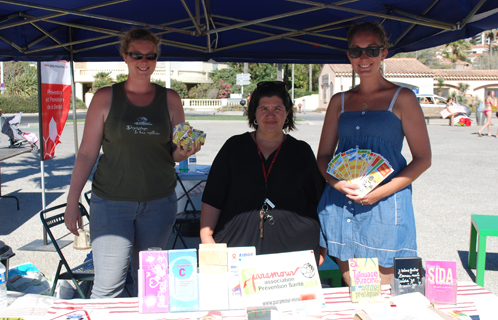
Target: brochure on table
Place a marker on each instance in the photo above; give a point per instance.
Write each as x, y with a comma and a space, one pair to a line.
280, 280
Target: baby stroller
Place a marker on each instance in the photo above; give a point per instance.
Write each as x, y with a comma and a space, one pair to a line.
17, 138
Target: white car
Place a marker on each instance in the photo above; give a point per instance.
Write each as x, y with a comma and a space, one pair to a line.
435, 101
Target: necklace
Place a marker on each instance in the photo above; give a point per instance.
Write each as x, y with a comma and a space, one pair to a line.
365, 104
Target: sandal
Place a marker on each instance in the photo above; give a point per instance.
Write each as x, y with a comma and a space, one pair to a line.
479, 134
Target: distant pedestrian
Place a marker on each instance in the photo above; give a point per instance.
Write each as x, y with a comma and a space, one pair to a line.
489, 102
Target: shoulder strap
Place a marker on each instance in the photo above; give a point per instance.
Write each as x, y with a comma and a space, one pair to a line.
342, 102
394, 99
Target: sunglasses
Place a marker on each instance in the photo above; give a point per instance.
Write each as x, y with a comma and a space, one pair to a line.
264, 84
139, 56
372, 52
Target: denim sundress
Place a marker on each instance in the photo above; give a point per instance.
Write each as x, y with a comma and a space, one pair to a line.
386, 229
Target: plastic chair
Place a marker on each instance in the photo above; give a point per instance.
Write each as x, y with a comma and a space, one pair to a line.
186, 216
481, 226
330, 270
81, 273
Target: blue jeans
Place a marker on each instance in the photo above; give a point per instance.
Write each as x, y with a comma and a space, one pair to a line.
119, 230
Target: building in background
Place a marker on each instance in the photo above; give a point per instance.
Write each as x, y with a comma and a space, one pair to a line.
190, 73
410, 73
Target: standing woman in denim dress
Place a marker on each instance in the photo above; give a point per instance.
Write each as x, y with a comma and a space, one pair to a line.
376, 115
133, 204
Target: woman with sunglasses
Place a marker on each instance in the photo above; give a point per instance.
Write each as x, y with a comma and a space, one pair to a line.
376, 115
264, 186
133, 202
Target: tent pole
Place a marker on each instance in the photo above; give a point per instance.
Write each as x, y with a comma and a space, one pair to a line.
42, 141
73, 95
292, 84
310, 77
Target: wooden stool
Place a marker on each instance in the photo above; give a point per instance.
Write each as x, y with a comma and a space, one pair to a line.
481, 226
330, 270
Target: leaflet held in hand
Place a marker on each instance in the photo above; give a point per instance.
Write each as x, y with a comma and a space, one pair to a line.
362, 167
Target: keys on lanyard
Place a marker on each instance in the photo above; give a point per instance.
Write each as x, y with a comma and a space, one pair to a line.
264, 216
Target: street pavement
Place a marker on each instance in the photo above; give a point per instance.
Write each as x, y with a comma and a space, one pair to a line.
461, 181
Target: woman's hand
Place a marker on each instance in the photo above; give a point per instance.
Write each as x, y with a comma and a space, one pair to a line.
323, 255
72, 218
345, 187
370, 198
181, 154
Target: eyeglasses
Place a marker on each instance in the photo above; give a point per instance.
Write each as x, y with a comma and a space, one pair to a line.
139, 56
263, 84
372, 52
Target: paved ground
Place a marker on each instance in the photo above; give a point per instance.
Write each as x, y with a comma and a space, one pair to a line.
463, 180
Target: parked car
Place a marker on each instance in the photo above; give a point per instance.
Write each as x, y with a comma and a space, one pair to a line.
432, 100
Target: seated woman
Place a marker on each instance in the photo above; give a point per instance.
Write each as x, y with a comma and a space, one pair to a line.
264, 186
452, 111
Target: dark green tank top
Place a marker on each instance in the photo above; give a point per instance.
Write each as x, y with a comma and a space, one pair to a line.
136, 164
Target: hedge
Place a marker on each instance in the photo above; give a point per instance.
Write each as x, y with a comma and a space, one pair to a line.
13, 104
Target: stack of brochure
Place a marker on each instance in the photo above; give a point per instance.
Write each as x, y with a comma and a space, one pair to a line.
362, 167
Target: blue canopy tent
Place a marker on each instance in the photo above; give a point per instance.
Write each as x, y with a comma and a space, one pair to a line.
278, 31
283, 31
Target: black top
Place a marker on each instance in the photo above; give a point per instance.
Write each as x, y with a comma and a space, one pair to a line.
236, 186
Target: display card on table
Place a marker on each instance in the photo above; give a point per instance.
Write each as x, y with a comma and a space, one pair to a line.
213, 277
408, 270
183, 287
364, 278
153, 287
441, 281
280, 279
235, 257
408, 276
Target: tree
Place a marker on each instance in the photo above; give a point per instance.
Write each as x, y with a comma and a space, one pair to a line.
201, 91
160, 82
457, 50
268, 72
228, 75
440, 86
20, 79
223, 89
102, 79
459, 96
180, 88
491, 35
121, 77
462, 90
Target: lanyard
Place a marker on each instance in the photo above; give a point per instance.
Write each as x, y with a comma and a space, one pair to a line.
263, 214
266, 174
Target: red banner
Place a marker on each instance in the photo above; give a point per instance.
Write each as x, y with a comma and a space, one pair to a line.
55, 97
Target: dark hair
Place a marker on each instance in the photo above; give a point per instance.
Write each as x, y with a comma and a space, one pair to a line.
271, 89
138, 34
371, 26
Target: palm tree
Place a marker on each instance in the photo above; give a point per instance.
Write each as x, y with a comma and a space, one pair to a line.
457, 50
102, 79
491, 35
121, 77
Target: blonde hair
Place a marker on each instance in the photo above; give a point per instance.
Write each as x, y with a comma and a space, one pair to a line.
138, 34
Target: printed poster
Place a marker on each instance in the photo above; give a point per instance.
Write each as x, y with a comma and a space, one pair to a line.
55, 101
280, 279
